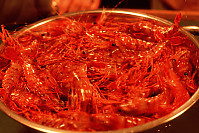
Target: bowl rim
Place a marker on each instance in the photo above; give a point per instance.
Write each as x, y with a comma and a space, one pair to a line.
149, 125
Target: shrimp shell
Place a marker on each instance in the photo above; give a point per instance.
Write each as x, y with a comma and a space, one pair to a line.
12, 76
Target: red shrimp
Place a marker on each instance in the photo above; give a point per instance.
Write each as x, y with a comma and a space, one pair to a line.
24, 99
6, 37
192, 86
37, 86
8, 49
118, 37
104, 122
12, 77
181, 61
25, 39
4, 63
182, 65
101, 18
172, 89
35, 82
11, 53
68, 26
73, 80
155, 52
30, 51
126, 42
179, 91
51, 30
148, 106
194, 54
156, 32
50, 81
135, 121
67, 120
16, 51
83, 88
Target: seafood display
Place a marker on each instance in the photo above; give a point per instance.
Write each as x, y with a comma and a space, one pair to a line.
97, 76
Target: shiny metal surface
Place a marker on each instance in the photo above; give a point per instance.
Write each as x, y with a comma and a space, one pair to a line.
121, 16
192, 29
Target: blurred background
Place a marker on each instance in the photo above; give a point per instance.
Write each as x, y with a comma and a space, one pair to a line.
17, 13
20, 12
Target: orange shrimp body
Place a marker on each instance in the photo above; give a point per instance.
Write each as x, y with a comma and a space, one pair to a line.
107, 75
12, 77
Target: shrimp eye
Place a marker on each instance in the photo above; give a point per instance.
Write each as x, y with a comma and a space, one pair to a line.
149, 69
44, 100
119, 110
113, 44
186, 73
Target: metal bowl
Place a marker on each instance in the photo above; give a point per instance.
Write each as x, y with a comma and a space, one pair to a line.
91, 16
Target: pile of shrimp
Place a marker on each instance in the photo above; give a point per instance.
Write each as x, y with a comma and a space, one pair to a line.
99, 76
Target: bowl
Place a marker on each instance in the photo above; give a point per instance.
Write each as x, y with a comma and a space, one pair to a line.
91, 16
